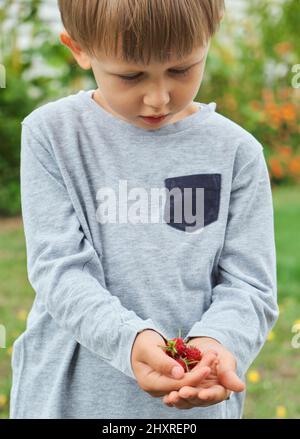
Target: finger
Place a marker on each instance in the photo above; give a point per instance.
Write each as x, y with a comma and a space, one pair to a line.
198, 374
207, 360
191, 395
165, 399
213, 394
164, 385
229, 379
172, 397
176, 401
165, 365
192, 399
159, 361
167, 403
188, 392
226, 371
195, 377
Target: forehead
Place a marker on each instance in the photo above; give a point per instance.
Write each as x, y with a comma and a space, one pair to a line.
117, 61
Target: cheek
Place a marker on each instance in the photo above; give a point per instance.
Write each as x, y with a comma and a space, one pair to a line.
121, 101
186, 90
201, 74
113, 93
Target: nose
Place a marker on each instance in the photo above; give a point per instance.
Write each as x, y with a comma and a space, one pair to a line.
157, 96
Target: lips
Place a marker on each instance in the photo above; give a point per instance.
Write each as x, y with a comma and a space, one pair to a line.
154, 120
155, 117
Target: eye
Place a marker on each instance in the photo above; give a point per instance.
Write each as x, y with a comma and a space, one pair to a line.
129, 78
181, 72
135, 78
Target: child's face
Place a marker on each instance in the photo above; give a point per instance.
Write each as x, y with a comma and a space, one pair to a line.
158, 89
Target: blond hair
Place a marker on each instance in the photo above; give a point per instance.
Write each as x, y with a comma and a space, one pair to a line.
147, 29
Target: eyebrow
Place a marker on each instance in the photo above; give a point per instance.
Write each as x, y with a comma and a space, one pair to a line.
184, 65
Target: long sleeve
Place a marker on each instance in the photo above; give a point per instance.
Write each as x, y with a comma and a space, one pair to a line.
244, 300
63, 266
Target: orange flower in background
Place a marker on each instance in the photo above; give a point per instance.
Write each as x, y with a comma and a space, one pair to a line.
294, 166
284, 47
285, 110
281, 113
255, 105
285, 151
273, 113
271, 108
276, 168
285, 93
288, 112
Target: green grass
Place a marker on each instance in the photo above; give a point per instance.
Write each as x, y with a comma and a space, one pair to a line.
278, 363
16, 297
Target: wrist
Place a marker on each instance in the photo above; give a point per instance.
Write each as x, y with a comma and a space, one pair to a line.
206, 344
203, 339
153, 330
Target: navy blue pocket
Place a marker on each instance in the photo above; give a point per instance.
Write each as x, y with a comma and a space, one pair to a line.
209, 209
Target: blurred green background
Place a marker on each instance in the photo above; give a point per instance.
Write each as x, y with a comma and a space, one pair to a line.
251, 74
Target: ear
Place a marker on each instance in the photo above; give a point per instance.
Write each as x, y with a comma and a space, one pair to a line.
81, 57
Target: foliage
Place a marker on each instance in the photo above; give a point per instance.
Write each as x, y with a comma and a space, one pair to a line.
251, 67
249, 75
26, 87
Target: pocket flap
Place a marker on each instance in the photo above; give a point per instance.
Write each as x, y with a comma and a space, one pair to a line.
207, 181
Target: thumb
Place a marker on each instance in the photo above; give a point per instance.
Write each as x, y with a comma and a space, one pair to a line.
162, 363
227, 374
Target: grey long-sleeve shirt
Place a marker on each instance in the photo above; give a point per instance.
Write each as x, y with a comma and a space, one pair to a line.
99, 284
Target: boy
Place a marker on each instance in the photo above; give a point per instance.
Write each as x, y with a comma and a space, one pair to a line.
111, 289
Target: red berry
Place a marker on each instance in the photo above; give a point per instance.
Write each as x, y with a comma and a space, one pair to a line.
193, 353
186, 356
175, 347
180, 346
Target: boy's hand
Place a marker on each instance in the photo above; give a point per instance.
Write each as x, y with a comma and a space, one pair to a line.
153, 368
216, 387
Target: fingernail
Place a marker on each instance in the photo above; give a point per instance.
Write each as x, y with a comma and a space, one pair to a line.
176, 372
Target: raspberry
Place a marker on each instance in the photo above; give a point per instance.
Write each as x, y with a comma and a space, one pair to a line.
193, 353
186, 356
176, 347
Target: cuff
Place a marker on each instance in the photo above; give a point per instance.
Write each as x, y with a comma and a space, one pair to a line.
129, 333
201, 331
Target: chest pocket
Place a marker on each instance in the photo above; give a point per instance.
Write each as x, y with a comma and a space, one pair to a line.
181, 211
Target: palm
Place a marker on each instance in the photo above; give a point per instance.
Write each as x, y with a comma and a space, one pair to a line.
158, 380
211, 379
210, 389
212, 382
150, 376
